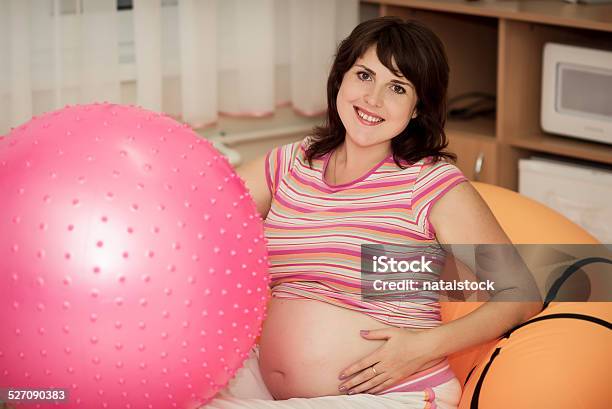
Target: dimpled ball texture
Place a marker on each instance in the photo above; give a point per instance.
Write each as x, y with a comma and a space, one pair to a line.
133, 266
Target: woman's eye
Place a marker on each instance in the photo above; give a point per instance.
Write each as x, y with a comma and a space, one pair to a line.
398, 89
364, 76
361, 74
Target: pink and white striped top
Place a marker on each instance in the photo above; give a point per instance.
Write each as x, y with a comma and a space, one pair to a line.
315, 230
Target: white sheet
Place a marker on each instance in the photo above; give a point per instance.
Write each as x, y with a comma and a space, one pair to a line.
248, 391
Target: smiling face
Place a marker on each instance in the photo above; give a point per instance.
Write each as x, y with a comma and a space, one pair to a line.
374, 104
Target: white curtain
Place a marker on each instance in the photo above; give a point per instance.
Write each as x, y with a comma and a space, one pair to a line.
55, 53
193, 59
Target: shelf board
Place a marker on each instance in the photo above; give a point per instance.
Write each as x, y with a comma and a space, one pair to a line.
474, 128
555, 12
575, 148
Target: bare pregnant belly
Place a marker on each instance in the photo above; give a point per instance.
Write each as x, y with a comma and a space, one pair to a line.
305, 344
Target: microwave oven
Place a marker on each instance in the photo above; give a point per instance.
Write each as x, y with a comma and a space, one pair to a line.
577, 92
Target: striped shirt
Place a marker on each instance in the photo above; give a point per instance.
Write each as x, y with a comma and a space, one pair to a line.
315, 230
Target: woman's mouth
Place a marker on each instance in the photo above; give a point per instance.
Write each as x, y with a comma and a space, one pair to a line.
367, 119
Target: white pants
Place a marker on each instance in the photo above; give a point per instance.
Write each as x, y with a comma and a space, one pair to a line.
247, 390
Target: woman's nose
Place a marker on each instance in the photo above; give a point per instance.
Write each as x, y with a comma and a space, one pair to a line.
374, 97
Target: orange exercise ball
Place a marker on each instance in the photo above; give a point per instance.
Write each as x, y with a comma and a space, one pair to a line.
558, 362
559, 359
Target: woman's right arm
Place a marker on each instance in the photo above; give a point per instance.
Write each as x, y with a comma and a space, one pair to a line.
254, 175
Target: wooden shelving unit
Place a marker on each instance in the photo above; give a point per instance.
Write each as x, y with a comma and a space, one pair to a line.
573, 148
496, 47
478, 128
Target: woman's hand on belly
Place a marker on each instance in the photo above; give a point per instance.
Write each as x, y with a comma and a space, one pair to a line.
305, 344
403, 353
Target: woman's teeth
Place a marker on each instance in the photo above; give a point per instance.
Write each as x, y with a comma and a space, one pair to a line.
368, 118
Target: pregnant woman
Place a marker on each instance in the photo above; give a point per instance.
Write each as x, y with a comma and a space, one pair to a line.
375, 173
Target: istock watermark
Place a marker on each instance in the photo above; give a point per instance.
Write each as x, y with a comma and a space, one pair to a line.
384, 264
486, 272
440, 285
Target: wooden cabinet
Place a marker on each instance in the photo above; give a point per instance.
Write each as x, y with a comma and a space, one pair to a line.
476, 157
495, 47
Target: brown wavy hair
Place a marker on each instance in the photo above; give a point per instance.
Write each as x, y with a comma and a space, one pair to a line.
420, 56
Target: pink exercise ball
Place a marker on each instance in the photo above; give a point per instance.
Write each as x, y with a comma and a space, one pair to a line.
133, 266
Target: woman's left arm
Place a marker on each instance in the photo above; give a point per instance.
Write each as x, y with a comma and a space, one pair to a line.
459, 216
462, 216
